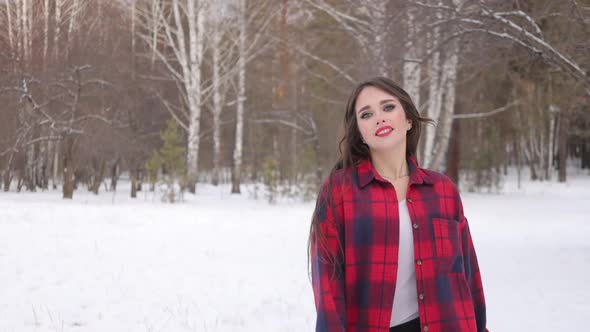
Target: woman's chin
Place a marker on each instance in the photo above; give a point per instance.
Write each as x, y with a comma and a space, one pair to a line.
386, 146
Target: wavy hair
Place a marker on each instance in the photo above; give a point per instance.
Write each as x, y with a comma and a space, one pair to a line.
353, 150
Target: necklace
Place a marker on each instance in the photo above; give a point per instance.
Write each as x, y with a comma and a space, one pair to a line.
390, 179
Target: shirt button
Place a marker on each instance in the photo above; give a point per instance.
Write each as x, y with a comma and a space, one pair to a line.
421, 296
409, 199
419, 262
415, 225
425, 328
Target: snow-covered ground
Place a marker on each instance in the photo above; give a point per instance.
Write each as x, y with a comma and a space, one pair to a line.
218, 262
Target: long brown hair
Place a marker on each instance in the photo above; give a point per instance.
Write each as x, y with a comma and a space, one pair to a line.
353, 150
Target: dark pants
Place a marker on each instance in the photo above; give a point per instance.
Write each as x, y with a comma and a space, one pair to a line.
411, 326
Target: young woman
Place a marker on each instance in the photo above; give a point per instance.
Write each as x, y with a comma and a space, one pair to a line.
389, 244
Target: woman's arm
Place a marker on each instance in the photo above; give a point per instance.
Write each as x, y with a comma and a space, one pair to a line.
327, 265
473, 275
471, 266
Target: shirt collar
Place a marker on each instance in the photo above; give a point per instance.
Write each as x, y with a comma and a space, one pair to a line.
366, 173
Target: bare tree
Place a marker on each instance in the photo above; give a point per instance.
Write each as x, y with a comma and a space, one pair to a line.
57, 34
367, 23
218, 15
10, 32
182, 21
238, 145
412, 68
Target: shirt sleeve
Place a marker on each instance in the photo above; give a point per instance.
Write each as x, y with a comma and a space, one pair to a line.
327, 267
473, 276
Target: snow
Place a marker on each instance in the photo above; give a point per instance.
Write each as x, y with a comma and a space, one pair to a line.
218, 262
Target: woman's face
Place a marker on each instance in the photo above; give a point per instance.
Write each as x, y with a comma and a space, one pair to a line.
381, 119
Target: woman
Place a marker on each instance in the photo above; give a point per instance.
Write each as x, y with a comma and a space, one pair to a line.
390, 247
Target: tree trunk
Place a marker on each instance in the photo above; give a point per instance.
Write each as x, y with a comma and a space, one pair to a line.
412, 69
518, 162
68, 170
563, 130
73, 13
196, 25
435, 97
46, 32
533, 169
42, 181
9, 23
133, 18
533, 152
133, 175
31, 157
98, 176
57, 145
585, 155
6, 179
542, 146
6, 176
19, 29
551, 150
317, 150
449, 80
114, 175
155, 9
56, 47
239, 142
26, 26
215, 44
454, 153
139, 178
30, 168
380, 37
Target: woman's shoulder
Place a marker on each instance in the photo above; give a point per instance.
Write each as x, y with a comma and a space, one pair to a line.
339, 174
448, 191
441, 180
336, 183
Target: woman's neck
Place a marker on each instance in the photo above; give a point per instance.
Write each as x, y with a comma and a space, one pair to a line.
391, 164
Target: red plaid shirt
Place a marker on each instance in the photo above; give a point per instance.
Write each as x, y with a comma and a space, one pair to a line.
359, 209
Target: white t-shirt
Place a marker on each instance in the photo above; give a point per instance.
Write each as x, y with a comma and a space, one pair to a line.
405, 301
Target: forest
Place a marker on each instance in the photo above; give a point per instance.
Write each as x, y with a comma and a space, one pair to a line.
167, 94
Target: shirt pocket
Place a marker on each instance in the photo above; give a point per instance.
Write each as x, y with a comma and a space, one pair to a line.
447, 245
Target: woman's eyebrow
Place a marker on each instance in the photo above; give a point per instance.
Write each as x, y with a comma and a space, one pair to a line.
384, 101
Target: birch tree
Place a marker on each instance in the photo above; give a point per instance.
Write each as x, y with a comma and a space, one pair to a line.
182, 22
9, 19
465, 20
23, 52
57, 33
442, 89
367, 23
73, 11
185, 63
412, 67
229, 67
46, 11
217, 15
434, 90
239, 131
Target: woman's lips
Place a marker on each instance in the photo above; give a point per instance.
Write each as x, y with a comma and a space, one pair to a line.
384, 131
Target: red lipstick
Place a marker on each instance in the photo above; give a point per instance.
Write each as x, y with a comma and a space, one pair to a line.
384, 131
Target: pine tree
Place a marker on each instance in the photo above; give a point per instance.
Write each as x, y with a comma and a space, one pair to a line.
152, 166
270, 175
170, 158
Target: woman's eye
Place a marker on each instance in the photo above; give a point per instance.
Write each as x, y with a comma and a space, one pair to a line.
388, 108
365, 115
